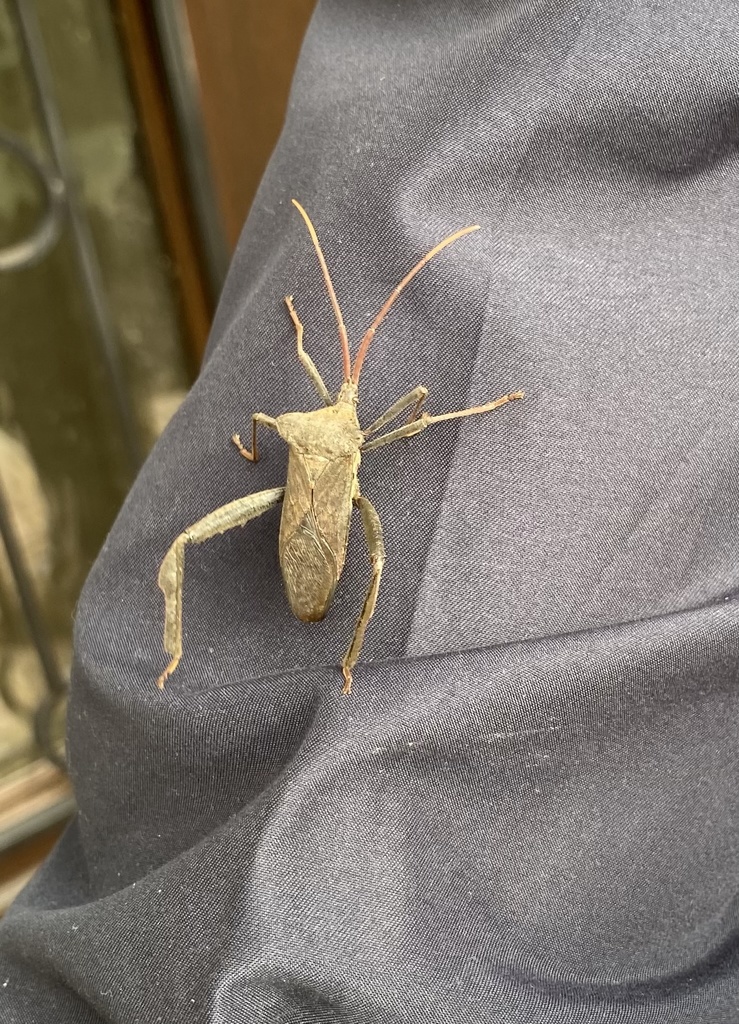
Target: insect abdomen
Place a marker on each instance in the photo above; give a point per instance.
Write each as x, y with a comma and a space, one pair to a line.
314, 531
309, 570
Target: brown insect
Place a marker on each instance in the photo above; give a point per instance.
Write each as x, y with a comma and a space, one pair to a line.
326, 446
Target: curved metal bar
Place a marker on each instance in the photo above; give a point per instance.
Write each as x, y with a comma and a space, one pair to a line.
28, 600
34, 247
106, 336
37, 631
43, 730
8, 695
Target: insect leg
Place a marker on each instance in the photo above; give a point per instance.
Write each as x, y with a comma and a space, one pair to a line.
424, 420
258, 417
376, 547
172, 571
417, 396
305, 359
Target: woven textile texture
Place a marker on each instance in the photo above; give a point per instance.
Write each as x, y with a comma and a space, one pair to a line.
527, 811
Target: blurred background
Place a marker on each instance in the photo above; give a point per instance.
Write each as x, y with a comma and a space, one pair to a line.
133, 135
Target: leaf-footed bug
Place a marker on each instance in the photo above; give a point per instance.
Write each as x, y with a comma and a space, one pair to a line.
325, 448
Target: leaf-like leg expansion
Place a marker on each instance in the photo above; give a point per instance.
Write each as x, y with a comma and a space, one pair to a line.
258, 417
424, 420
172, 571
376, 548
310, 367
417, 396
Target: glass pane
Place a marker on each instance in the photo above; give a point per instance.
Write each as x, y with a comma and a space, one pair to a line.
64, 466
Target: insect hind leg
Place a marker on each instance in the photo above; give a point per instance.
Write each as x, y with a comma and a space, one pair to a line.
376, 547
172, 571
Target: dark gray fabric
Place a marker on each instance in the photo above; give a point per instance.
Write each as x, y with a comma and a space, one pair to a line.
527, 810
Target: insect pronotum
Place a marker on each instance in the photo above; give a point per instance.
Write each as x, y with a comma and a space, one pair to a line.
325, 448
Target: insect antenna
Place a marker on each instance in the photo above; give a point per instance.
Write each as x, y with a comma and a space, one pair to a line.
366, 340
331, 293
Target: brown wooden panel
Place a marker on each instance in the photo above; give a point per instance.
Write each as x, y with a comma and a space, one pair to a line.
246, 52
161, 147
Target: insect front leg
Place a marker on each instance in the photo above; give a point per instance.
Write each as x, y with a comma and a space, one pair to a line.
416, 398
376, 547
310, 367
172, 571
258, 417
424, 420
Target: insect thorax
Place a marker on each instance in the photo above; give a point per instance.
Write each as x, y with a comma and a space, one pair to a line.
330, 433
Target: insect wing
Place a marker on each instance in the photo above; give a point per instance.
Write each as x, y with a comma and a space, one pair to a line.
314, 531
